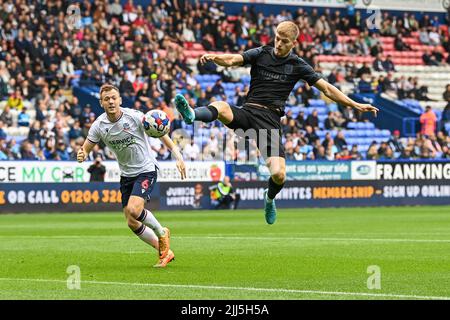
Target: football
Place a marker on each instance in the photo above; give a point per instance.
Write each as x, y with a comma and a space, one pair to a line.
156, 123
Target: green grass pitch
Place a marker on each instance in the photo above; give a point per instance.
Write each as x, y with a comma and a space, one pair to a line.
306, 254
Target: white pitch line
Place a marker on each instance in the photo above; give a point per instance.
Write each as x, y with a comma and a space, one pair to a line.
242, 238
275, 290
318, 239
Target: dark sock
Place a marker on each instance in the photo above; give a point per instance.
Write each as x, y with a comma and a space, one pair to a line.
206, 114
142, 216
274, 189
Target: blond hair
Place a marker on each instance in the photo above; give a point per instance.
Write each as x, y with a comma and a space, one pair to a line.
288, 28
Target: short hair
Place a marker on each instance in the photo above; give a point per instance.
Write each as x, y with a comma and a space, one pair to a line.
289, 28
108, 87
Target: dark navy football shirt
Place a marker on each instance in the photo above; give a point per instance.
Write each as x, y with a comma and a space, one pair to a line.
273, 78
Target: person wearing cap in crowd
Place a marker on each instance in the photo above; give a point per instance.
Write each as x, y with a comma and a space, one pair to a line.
395, 142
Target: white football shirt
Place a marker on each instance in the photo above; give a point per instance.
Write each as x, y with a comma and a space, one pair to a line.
127, 140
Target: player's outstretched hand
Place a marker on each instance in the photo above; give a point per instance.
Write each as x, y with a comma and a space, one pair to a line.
366, 108
182, 169
81, 155
207, 57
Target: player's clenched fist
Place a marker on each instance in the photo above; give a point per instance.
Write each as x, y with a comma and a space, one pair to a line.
207, 57
81, 155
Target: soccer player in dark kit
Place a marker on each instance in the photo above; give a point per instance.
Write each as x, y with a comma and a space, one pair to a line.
274, 73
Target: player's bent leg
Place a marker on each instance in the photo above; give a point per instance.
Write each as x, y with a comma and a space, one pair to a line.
161, 232
217, 110
224, 112
277, 168
132, 212
135, 206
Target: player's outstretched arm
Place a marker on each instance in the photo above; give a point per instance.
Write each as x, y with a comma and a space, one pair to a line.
168, 142
338, 96
224, 60
84, 151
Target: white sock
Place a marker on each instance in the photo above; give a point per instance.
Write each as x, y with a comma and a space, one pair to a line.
148, 236
149, 220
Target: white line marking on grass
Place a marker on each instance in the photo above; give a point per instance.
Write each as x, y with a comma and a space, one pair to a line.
315, 239
275, 290
241, 238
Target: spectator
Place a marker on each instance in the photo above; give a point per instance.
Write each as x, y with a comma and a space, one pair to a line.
311, 135
75, 131
394, 141
26, 151
378, 63
424, 37
6, 116
97, 171
349, 115
300, 120
339, 141
387, 154
191, 151
344, 154
429, 59
399, 45
61, 151
202, 100
438, 56
320, 155
355, 154
330, 122
388, 64
219, 90
372, 152
428, 122
365, 69
313, 120
15, 100
223, 195
23, 119
434, 37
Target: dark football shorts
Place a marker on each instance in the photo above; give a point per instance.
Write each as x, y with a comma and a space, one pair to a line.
266, 126
140, 186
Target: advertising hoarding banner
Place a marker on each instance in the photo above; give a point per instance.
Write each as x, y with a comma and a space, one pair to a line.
312, 170
410, 5
72, 171
414, 170
75, 197
300, 194
60, 197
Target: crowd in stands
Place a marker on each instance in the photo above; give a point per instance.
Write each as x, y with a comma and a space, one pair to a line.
140, 50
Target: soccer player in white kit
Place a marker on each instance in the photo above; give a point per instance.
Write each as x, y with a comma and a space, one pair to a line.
121, 129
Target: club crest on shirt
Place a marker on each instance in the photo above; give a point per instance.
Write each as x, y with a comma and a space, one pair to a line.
288, 68
126, 126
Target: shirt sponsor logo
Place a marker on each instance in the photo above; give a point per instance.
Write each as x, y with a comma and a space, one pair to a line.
121, 144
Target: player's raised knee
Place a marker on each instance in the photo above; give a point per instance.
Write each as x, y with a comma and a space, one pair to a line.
133, 211
279, 177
